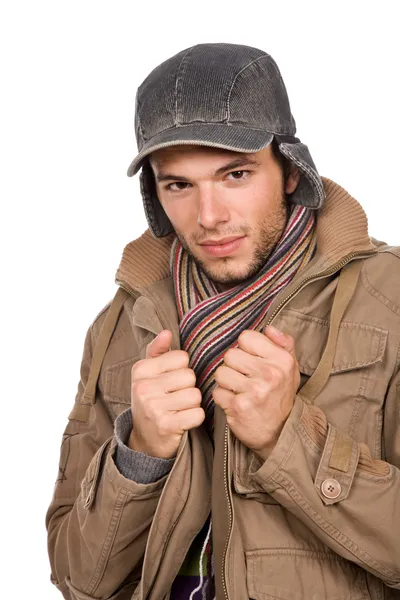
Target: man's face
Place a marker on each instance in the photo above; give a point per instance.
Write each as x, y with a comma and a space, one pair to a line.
228, 209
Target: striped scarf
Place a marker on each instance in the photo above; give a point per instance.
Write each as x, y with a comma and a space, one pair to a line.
210, 322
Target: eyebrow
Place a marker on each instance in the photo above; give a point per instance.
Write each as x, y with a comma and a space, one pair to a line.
234, 164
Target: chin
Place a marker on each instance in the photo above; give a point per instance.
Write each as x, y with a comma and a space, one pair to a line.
230, 276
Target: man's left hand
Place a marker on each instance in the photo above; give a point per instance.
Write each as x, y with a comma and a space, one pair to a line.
256, 387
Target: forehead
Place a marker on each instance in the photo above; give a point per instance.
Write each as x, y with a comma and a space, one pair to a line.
178, 154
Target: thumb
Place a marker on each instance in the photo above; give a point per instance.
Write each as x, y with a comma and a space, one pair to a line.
160, 345
280, 339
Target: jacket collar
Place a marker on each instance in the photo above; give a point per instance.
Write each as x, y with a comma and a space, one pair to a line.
342, 229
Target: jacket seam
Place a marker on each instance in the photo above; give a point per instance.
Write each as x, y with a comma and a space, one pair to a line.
387, 302
316, 554
334, 533
284, 459
107, 544
359, 398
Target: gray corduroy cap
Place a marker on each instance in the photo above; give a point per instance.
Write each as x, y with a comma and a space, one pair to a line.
222, 95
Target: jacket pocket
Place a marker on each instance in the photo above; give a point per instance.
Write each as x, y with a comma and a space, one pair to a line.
117, 383
124, 593
352, 398
294, 574
116, 380
358, 345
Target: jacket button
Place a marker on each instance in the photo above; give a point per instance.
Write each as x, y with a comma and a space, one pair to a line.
331, 488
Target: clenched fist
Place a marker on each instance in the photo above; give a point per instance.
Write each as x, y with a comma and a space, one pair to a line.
165, 400
257, 385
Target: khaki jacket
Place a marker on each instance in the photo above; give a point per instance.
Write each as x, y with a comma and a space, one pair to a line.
320, 519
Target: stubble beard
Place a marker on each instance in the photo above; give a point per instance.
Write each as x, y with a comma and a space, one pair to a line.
270, 231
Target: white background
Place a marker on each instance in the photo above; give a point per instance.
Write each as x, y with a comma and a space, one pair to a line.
69, 72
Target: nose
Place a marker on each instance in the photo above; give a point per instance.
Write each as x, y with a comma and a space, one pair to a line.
211, 209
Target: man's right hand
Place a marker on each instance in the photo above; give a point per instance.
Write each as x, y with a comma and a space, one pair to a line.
165, 401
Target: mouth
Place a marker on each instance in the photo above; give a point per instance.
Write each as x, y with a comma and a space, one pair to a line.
222, 247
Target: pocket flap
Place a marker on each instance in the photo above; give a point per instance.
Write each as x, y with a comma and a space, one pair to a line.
300, 574
89, 483
358, 344
117, 385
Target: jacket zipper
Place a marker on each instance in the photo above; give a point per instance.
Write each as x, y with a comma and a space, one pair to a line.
229, 510
330, 271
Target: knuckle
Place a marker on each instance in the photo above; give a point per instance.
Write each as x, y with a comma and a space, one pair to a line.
136, 369
162, 426
289, 363
259, 389
276, 375
182, 358
150, 410
242, 405
290, 339
244, 336
230, 354
195, 395
138, 388
218, 373
200, 415
217, 393
190, 376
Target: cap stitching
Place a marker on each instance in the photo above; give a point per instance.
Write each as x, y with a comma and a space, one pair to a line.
228, 104
143, 153
137, 112
178, 78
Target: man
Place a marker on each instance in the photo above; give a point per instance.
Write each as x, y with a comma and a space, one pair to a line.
236, 428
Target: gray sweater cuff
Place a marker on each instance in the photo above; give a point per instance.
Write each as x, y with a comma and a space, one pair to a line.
136, 466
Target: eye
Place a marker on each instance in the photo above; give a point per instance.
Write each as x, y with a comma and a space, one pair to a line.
238, 174
179, 186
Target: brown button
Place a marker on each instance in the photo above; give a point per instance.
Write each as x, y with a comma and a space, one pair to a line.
331, 488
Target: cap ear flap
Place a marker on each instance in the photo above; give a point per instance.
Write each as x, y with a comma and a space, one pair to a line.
159, 224
310, 189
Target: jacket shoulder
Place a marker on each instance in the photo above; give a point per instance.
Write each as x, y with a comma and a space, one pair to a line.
98, 321
381, 276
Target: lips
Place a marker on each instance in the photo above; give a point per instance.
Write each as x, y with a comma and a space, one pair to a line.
221, 242
223, 247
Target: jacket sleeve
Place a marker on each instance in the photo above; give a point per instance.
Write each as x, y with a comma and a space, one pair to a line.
350, 500
137, 466
98, 520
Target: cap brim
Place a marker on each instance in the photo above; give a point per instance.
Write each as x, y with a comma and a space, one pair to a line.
217, 135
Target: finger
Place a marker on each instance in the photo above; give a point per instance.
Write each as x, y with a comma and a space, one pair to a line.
160, 344
281, 339
182, 400
242, 361
188, 419
170, 361
231, 380
256, 343
177, 380
223, 397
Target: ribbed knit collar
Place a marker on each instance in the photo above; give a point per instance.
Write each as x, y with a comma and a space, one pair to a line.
342, 228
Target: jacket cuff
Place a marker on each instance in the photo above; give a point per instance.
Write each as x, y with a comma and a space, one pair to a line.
333, 472
263, 471
133, 465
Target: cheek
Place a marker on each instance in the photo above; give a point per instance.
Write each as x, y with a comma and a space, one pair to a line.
181, 215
